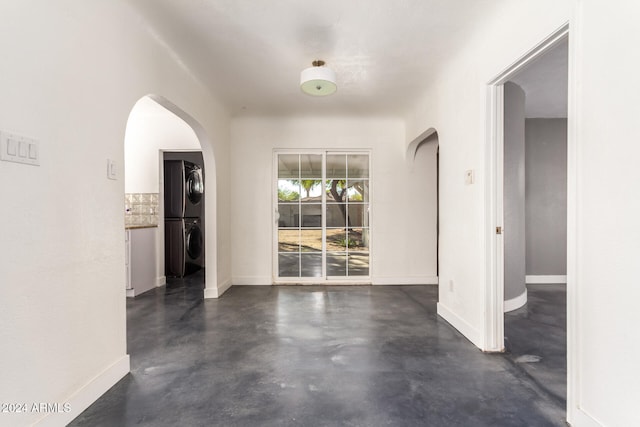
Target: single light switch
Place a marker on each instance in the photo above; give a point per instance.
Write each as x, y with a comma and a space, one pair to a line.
12, 147
23, 148
111, 169
33, 151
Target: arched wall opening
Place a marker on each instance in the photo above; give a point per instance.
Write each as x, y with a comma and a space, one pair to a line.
156, 125
423, 157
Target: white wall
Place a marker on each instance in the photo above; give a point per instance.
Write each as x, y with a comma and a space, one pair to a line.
152, 128
403, 238
455, 105
546, 199
514, 197
77, 69
604, 226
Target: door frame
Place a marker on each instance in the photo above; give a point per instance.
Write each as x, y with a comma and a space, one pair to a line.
494, 253
322, 280
494, 292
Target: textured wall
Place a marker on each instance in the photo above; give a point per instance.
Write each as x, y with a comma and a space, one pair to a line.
546, 196
403, 222
78, 68
514, 191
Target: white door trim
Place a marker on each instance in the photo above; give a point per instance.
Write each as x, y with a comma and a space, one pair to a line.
324, 279
494, 255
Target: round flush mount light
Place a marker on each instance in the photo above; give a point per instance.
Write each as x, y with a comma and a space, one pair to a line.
318, 80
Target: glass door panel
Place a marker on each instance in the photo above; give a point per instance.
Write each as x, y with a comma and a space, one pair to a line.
310, 240
311, 265
289, 240
311, 215
358, 264
336, 166
323, 215
336, 264
288, 190
289, 265
358, 190
289, 215
288, 166
358, 165
311, 165
336, 215
347, 187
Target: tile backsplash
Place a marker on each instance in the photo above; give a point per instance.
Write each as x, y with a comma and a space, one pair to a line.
140, 209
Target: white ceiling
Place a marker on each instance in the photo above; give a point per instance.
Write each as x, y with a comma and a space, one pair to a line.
250, 52
545, 83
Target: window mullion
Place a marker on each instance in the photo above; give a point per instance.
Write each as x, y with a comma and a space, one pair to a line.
324, 215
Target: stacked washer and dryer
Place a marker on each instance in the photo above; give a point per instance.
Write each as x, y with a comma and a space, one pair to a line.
183, 213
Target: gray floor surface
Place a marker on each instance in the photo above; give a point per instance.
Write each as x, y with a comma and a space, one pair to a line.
331, 356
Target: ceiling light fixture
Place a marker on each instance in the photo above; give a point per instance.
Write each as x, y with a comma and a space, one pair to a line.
318, 80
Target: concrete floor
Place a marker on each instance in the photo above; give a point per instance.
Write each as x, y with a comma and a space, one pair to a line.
325, 356
536, 338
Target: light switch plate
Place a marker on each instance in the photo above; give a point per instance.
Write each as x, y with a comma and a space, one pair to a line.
468, 177
112, 172
19, 149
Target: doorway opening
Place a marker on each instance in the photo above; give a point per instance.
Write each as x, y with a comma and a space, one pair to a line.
423, 161
153, 126
527, 213
426, 165
535, 219
494, 330
184, 198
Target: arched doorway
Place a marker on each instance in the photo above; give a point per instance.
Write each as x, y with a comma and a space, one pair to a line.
156, 125
423, 155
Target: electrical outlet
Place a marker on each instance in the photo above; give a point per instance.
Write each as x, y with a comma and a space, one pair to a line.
450, 285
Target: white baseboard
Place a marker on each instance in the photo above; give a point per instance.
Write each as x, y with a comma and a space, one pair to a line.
217, 291
394, 280
387, 281
466, 329
87, 394
252, 281
161, 281
132, 293
581, 418
515, 303
224, 287
545, 280
210, 292
333, 282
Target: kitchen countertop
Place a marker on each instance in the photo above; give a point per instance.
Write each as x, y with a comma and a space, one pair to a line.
134, 227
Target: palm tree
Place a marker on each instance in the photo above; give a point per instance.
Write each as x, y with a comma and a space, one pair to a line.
307, 184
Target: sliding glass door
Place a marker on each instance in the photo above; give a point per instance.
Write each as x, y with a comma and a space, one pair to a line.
322, 213
300, 215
